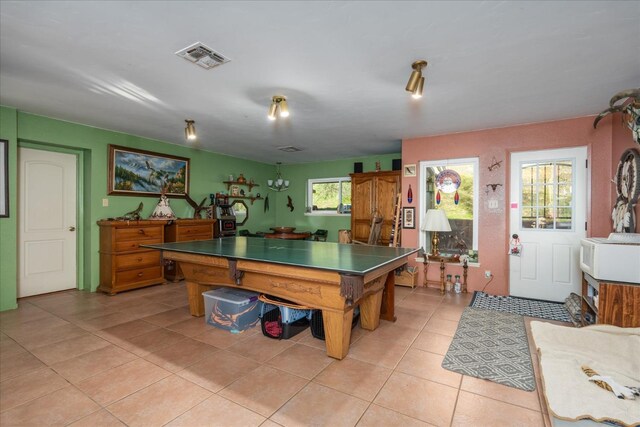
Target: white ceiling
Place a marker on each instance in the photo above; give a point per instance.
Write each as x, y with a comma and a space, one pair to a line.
342, 65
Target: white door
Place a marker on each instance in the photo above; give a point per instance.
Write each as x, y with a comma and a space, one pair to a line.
47, 222
548, 213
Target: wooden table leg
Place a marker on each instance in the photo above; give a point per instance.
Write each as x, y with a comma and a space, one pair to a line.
441, 277
196, 300
370, 311
387, 311
337, 332
465, 267
426, 270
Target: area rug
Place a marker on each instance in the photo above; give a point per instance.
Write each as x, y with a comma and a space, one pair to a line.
493, 346
522, 306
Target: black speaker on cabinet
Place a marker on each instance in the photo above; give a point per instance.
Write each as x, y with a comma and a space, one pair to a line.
357, 167
396, 164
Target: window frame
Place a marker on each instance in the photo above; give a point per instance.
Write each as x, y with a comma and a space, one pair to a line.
309, 202
422, 239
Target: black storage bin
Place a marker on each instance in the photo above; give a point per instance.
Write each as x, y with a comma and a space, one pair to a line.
291, 318
317, 324
288, 329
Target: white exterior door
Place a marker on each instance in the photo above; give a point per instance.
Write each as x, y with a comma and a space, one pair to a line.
548, 213
47, 222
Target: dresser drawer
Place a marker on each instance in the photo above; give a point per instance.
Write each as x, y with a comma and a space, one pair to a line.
134, 245
194, 237
139, 233
188, 233
140, 259
127, 277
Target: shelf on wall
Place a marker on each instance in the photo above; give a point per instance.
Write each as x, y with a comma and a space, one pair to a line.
252, 198
245, 183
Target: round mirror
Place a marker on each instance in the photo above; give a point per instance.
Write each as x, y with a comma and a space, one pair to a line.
241, 211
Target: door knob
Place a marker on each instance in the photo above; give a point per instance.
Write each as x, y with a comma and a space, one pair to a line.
72, 228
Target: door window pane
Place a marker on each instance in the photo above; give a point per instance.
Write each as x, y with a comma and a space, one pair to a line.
546, 197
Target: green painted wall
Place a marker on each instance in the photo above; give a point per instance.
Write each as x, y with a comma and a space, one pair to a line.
208, 170
8, 226
298, 176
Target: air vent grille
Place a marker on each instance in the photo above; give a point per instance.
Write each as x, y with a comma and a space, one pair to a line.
289, 149
202, 55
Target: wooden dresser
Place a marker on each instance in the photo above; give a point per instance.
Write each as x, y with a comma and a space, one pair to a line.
124, 265
184, 230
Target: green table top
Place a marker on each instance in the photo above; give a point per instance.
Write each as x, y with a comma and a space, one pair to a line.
343, 258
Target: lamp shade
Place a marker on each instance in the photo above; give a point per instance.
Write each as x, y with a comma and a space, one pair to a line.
435, 220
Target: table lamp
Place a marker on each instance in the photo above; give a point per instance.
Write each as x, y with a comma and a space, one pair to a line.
435, 220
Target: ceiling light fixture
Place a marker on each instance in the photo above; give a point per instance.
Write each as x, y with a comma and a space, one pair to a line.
415, 85
278, 184
279, 102
190, 130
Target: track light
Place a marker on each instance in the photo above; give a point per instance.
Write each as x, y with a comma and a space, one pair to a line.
279, 102
417, 94
190, 130
415, 85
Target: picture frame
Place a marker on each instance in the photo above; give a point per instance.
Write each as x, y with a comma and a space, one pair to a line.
4, 178
133, 172
409, 217
409, 170
235, 190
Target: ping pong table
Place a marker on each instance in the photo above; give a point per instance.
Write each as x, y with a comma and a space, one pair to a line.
332, 277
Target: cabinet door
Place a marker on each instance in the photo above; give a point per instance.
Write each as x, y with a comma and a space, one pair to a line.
387, 188
362, 198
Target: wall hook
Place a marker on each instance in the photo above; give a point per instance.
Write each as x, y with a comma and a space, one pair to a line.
494, 186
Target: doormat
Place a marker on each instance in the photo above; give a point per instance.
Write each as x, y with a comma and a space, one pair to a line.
492, 345
522, 306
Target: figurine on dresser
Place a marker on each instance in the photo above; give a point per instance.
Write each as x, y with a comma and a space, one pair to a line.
163, 210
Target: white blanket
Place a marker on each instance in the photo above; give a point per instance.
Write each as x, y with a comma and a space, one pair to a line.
608, 350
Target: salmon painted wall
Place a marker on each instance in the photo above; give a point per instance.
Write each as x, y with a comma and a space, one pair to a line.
622, 141
500, 143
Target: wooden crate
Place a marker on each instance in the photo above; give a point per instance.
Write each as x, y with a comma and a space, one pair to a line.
408, 277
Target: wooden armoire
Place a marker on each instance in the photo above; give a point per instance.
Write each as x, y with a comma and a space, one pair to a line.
373, 191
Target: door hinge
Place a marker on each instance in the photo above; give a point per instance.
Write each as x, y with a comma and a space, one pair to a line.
586, 163
585, 226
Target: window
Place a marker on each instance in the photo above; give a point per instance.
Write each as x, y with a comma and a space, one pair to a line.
462, 216
329, 196
546, 195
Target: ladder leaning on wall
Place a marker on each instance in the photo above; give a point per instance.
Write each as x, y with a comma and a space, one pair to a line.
394, 239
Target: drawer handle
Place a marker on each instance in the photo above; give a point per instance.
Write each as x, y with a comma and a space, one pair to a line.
141, 231
140, 274
140, 259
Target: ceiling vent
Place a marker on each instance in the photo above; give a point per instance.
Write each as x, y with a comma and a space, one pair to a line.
289, 149
202, 55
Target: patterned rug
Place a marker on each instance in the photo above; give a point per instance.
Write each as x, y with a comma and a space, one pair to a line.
493, 346
522, 306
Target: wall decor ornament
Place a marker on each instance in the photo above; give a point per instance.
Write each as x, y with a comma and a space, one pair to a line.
409, 170
627, 181
448, 181
408, 217
135, 172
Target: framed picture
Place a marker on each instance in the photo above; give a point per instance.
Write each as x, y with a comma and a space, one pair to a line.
408, 218
235, 190
4, 178
410, 170
144, 173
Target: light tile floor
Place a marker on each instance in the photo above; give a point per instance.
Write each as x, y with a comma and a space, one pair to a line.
139, 359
